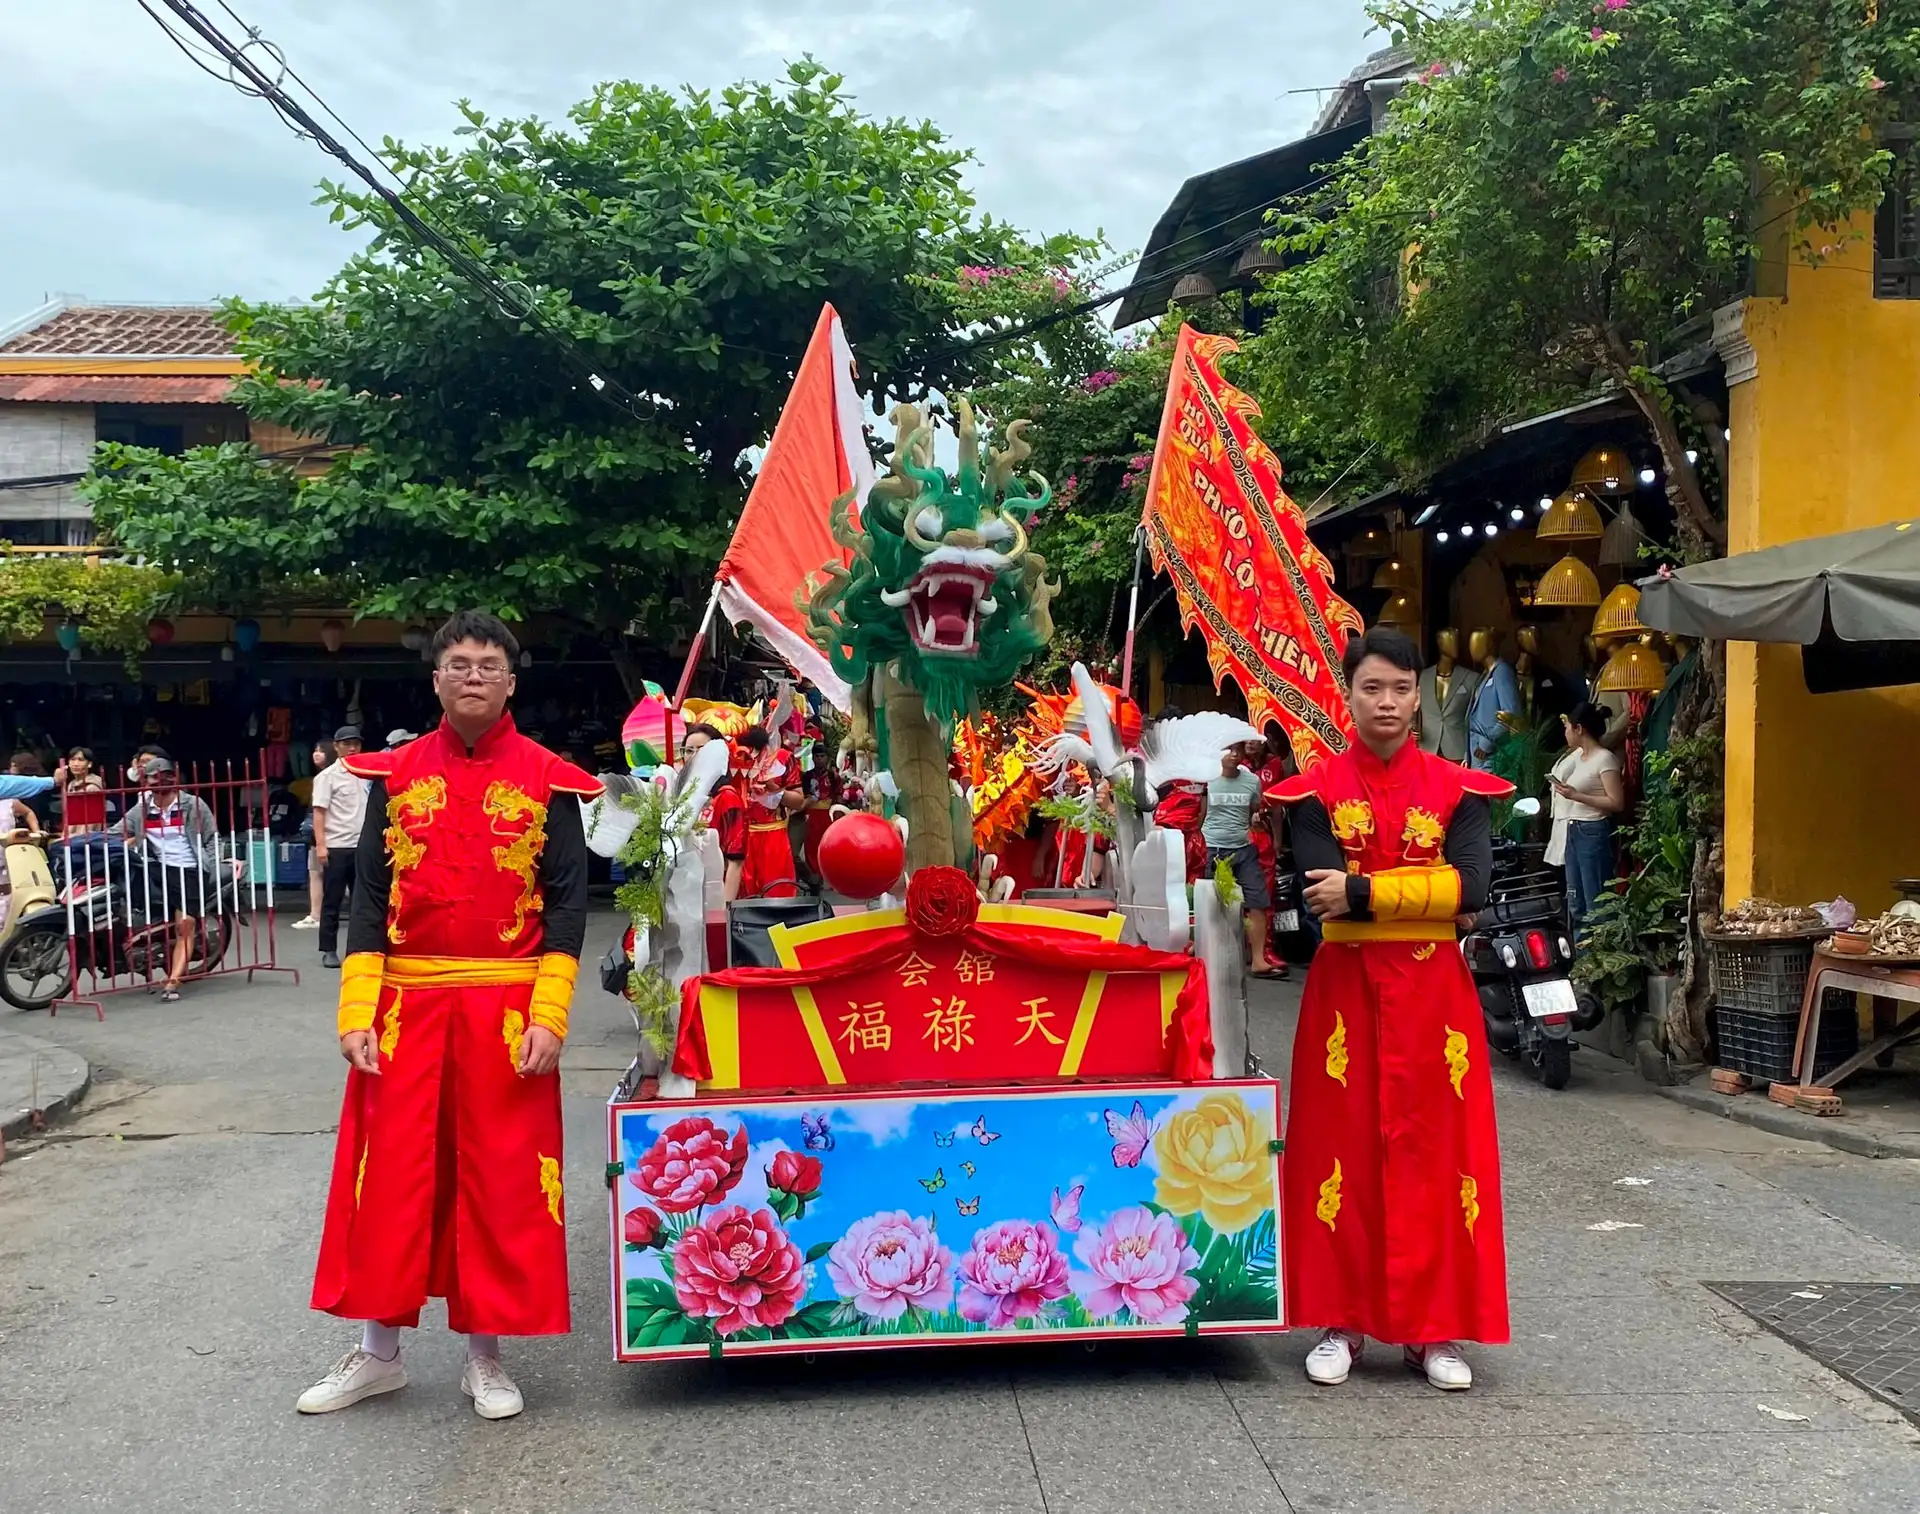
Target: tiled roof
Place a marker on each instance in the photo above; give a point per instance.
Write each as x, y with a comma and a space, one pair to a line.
115, 389
129, 330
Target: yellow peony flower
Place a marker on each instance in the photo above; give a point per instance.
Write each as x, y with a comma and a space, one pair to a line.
1216, 1160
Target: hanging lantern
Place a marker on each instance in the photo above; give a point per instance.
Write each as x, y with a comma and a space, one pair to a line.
1634, 668
159, 631
1571, 517
1258, 258
246, 634
1192, 289
1620, 546
1568, 584
1395, 574
1619, 614
1605, 470
68, 635
1399, 611
333, 634
1372, 542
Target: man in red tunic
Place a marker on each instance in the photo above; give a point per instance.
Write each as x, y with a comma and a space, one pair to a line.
1392, 1174
770, 783
469, 913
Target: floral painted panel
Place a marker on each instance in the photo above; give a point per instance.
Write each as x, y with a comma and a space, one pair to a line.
945, 1217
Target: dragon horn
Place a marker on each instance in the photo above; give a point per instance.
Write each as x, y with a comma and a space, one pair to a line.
969, 428
1009, 457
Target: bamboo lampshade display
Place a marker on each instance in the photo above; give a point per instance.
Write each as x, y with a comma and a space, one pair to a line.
1568, 584
1604, 470
1400, 611
1619, 614
1634, 668
1571, 517
1372, 542
1620, 546
1395, 574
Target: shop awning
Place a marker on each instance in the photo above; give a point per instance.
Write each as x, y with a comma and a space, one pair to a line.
1864, 584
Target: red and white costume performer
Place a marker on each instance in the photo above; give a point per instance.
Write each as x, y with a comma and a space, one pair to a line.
467, 926
764, 779
1392, 1171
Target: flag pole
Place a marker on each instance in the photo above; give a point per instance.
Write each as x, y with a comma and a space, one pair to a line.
1169, 408
1133, 612
693, 659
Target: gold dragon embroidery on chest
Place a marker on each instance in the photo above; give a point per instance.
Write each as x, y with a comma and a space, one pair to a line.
1352, 821
521, 855
418, 803
1423, 835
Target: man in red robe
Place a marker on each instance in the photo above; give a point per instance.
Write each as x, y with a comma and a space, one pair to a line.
770, 781
1391, 1180
469, 913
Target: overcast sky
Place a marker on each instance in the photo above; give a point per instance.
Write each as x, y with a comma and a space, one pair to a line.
127, 174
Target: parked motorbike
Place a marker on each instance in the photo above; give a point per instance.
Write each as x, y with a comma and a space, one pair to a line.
30, 888
1519, 952
103, 893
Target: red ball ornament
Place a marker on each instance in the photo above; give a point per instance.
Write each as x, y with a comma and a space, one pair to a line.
861, 856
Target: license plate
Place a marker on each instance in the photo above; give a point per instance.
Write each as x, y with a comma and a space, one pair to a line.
1554, 997
1287, 919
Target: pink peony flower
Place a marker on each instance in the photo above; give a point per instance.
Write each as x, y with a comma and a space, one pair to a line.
1136, 1260
1010, 1271
739, 1270
693, 1163
641, 1227
889, 1263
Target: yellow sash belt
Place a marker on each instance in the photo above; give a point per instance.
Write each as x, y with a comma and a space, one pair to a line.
1351, 932
459, 972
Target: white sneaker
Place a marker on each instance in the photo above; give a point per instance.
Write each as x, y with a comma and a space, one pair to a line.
1445, 1367
357, 1375
486, 1382
1329, 1362
305, 923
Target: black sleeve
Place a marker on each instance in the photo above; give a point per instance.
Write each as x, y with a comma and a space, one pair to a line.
563, 877
1470, 850
1314, 847
372, 878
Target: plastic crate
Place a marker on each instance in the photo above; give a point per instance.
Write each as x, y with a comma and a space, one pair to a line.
1759, 975
1761, 1045
290, 866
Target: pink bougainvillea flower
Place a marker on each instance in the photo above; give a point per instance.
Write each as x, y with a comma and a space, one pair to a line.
1615, 5
1560, 74
1012, 1268
1138, 1261
693, 1163
1598, 34
739, 1270
1876, 82
1105, 378
889, 1263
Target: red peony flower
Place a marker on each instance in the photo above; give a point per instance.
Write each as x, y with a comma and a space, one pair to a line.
642, 1227
795, 1174
941, 901
739, 1270
693, 1163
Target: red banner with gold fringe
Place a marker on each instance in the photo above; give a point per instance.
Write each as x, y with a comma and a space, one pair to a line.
1221, 526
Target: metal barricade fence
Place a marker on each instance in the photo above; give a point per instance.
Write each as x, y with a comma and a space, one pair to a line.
177, 887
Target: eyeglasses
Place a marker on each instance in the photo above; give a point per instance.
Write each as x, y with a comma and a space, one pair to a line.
487, 672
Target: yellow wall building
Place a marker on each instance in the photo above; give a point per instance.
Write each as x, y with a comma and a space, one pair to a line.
1824, 386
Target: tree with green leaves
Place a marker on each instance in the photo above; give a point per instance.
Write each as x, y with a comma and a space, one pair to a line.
683, 245
1562, 197
109, 604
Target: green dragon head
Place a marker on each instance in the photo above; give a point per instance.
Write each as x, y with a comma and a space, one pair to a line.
942, 588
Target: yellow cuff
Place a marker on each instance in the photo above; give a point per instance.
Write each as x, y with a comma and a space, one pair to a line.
360, 977
1416, 893
553, 992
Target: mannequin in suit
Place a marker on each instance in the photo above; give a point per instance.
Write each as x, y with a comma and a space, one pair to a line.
1446, 693
1545, 693
1496, 695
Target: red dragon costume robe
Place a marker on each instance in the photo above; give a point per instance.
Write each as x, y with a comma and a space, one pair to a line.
468, 919
1391, 1183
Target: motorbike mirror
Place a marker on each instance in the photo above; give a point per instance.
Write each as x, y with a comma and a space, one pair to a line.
1526, 807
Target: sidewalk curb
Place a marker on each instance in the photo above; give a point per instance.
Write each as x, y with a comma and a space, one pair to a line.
64, 1078
1763, 1114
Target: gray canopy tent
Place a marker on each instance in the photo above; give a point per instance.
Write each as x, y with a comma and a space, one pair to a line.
1852, 603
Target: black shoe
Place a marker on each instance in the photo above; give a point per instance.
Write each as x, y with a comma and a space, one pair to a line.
329, 959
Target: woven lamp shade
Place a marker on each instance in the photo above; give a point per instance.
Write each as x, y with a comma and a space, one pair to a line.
1258, 258
1372, 542
1619, 614
1571, 517
1395, 574
1400, 611
1634, 668
1192, 289
1604, 470
1568, 584
1620, 546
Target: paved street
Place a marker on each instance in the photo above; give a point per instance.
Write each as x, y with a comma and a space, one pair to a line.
155, 1256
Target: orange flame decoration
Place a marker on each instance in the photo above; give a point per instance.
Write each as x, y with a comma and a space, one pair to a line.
1243, 569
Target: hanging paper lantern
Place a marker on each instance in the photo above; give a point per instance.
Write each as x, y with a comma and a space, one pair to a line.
1568, 584
1619, 614
1632, 669
861, 856
333, 635
1571, 517
646, 732
246, 634
68, 635
159, 631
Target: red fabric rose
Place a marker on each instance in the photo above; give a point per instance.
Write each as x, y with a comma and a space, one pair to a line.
795, 1174
739, 1270
693, 1163
642, 1227
941, 901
